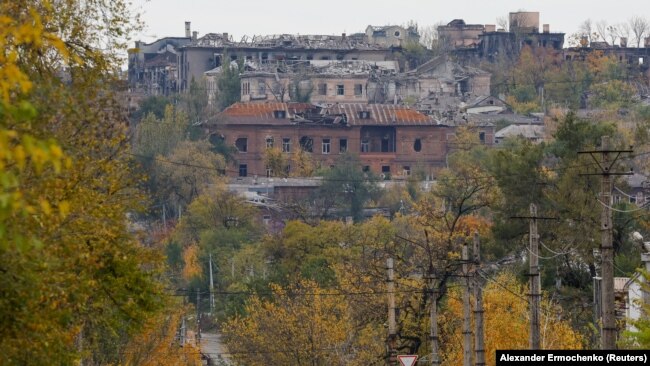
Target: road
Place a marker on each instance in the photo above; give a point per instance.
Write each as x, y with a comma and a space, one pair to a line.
212, 346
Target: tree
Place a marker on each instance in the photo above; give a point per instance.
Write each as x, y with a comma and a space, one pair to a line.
640, 27
302, 324
187, 172
76, 283
229, 84
506, 322
346, 186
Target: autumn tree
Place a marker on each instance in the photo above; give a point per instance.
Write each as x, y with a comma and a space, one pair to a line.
303, 323
76, 283
506, 322
186, 172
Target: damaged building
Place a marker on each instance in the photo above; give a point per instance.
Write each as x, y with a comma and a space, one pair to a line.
390, 140
471, 42
189, 57
153, 67
437, 88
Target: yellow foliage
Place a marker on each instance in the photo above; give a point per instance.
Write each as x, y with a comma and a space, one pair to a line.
506, 322
301, 322
191, 265
157, 344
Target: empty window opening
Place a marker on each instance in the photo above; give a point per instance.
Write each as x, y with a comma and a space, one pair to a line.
481, 136
322, 89
385, 172
233, 57
343, 145
243, 170
417, 145
366, 168
365, 145
242, 144
358, 89
269, 172
407, 170
326, 146
286, 145
307, 143
280, 114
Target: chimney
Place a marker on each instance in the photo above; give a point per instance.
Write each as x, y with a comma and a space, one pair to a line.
194, 35
547, 28
490, 28
624, 42
187, 30
225, 36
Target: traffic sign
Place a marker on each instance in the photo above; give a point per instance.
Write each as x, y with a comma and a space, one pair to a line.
407, 360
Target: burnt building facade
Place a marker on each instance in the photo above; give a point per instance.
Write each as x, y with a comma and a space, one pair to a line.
390, 140
472, 42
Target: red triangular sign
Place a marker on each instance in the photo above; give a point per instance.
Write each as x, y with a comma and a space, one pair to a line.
407, 360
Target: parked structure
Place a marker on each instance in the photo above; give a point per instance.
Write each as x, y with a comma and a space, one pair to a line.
392, 140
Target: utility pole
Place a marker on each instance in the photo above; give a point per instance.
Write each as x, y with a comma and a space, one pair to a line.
608, 329
433, 319
535, 294
392, 326
198, 314
467, 321
479, 334
164, 217
535, 284
211, 288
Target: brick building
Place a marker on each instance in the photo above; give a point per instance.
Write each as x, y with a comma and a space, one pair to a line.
391, 140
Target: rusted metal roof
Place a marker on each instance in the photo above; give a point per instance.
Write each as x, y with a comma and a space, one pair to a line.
357, 114
381, 115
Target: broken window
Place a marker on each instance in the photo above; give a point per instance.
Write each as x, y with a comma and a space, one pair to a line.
366, 168
325, 58
417, 145
358, 89
407, 170
343, 145
340, 89
365, 145
286, 145
322, 89
310, 57
233, 57
364, 114
280, 114
243, 170
385, 172
326, 146
265, 57
269, 142
242, 144
307, 143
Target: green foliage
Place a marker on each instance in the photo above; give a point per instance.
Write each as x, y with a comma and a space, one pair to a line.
347, 186
229, 84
